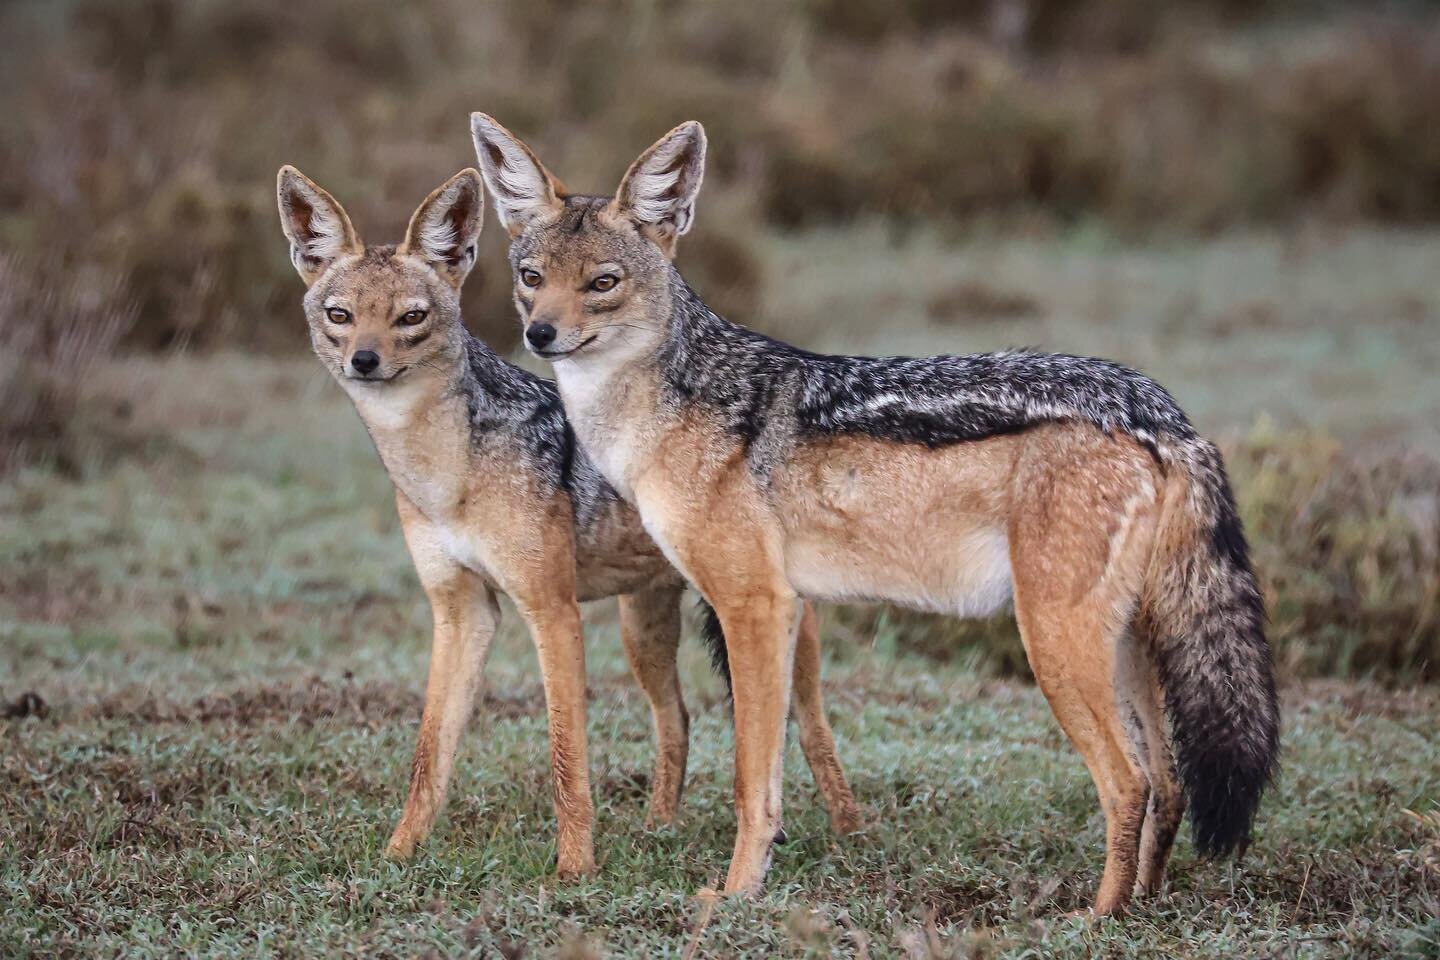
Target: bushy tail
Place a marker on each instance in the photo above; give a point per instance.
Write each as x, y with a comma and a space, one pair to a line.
1204, 613
714, 637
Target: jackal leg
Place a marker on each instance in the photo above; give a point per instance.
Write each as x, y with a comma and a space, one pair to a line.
760, 627
815, 737
1071, 658
555, 628
465, 617
1167, 803
650, 632
1079, 550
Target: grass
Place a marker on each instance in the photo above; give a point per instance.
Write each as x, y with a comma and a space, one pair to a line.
212, 832
218, 612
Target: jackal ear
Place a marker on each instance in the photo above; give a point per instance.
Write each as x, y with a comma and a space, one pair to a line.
523, 189
659, 190
445, 228
315, 224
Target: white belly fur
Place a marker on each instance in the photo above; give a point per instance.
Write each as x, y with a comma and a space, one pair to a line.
970, 579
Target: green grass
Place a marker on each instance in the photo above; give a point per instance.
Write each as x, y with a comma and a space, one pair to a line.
224, 625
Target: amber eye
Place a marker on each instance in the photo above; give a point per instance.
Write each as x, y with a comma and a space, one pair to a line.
530, 278
604, 282
412, 317
338, 316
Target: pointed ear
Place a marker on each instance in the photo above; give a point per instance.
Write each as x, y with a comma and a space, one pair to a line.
523, 189
316, 225
659, 190
445, 228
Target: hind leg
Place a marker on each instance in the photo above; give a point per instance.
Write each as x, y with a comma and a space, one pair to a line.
1141, 700
1079, 545
650, 632
1071, 655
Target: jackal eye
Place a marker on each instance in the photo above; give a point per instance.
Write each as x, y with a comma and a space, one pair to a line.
531, 278
412, 318
338, 316
604, 282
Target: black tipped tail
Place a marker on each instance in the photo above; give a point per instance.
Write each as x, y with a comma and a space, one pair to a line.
714, 637
1205, 614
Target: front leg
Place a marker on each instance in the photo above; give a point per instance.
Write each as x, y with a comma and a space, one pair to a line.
555, 627
650, 632
760, 626
465, 618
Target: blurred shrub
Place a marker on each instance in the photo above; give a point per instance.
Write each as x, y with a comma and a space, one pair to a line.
142, 136
1348, 549
53, 327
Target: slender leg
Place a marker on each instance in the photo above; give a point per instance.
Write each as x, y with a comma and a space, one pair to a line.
815, 737
1167, 802
1079, 551
760, 627
650, 632
555, 628
1083, 700
466, 616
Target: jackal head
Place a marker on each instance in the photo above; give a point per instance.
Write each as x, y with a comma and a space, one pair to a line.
376, 313
592, 274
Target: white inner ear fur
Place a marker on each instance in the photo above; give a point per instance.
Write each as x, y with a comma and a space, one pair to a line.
323, 237
516, 183
655, 193
438, 236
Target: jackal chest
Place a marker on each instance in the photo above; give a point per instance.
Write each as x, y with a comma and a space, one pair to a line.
612, 415
474, 514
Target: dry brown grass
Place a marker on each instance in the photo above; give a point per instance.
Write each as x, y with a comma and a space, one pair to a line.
53, 329
1349, 550
143, 137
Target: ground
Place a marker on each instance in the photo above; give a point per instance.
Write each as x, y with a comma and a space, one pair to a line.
216, 609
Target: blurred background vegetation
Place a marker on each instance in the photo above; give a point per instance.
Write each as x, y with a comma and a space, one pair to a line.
1239, 197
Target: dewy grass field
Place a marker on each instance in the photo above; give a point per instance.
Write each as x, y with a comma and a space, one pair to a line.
211, 595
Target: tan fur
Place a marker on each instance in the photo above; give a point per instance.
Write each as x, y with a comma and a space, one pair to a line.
479, 524
1070, 511
1061, 518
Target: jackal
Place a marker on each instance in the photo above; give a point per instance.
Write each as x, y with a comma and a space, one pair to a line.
495, 497
1074, 487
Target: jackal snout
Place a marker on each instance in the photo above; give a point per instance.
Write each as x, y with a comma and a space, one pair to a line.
364, 362
540, 335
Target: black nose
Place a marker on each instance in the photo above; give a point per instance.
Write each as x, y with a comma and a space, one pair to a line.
540, 335
365, 361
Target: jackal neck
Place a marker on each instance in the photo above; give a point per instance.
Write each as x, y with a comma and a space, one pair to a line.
740, 376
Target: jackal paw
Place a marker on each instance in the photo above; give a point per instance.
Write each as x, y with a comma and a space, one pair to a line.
659, 818
846, 821
570, 873
401, 846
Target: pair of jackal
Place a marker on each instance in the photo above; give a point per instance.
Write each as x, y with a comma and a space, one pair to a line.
677, 447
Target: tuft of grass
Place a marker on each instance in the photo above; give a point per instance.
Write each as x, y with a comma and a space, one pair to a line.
1349, 550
